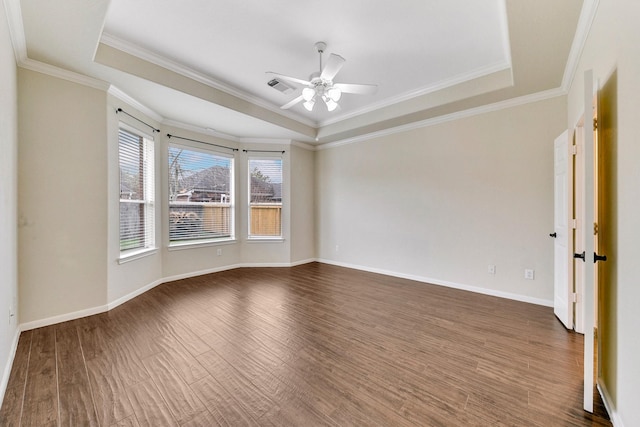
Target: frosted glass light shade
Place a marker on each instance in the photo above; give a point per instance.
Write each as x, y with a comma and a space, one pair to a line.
334, 94
308, 93
309, 104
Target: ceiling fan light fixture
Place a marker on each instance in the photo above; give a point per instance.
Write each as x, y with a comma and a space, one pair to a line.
309, 104
308, 94
334, 94
320, 84
331, 104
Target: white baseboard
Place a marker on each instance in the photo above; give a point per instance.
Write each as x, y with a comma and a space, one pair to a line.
432, 281
63, 318
200, 272
304, 261
115, 303
608, 404
119, 301
7, 368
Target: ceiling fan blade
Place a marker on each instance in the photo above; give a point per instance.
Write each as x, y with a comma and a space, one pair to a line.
292, 103
291, 79
356, 88
331, 68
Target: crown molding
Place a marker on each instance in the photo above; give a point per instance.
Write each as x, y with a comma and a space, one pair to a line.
61, 73
440, 85
506, 40
303, 145
509, 103
16, 29
290, 142
154, 58
124, 97
587, 16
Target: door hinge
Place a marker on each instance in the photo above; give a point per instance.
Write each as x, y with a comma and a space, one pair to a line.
574, 150
595, 123
574, 297
595, 228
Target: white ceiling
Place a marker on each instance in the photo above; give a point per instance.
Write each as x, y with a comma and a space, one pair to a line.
203, 63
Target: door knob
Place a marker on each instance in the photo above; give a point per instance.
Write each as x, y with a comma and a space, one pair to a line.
597, 257
554, 235
581, 256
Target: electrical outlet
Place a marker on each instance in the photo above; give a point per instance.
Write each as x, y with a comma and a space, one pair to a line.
491, 269
219, 252
529, 274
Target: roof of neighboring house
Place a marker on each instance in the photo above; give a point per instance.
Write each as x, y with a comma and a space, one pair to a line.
215, 178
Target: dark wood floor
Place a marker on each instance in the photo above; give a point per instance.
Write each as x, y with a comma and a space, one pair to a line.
304, 346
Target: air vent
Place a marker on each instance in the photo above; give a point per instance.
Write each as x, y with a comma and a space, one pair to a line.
280, 85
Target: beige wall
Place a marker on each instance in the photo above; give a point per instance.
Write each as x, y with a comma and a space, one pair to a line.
612, 52
443, 202
302, 204
62, 201
8, 200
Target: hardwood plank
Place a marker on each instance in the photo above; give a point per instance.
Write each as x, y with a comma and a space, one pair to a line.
76, 399
11, 410
252, 400
97, 333
223, 406
139, 326
202, 419
41, 393
149, 406
109, 392
129, 421
180, 399
189, 369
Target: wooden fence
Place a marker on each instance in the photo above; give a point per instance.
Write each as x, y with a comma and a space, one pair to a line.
266, 219
210, 220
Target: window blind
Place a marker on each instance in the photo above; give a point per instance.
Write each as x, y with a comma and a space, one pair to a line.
200, 195
137, 218
265, 197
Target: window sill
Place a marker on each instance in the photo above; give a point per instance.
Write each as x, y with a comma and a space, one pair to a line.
200, 244
137, 254
265, 240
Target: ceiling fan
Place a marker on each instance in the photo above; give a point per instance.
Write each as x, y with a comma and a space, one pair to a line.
321, 86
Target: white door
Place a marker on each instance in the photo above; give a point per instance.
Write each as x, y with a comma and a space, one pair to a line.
579, 265
588, 230
563, 293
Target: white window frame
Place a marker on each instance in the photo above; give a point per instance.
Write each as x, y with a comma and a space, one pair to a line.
148, 200
259, 237
189, 243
